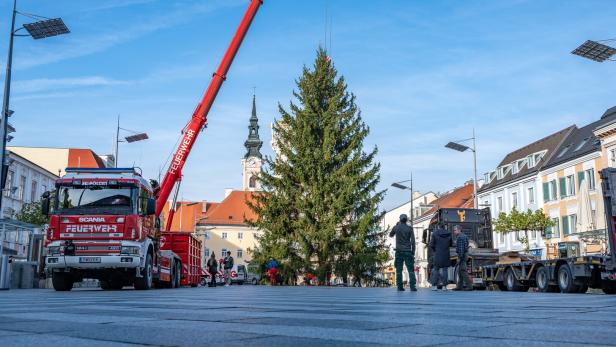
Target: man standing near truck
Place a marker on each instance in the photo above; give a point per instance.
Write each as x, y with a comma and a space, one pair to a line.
439, 245
228, 266
464, 280
405, 252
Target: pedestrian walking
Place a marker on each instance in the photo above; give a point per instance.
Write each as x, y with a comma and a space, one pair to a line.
405, 252
212, 268
272, 270
439, 244
228, 267
464, 280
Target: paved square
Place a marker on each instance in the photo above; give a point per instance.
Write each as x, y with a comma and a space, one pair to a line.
303, 316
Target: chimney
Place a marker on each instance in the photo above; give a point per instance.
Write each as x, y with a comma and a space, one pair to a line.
203, 206
228, 191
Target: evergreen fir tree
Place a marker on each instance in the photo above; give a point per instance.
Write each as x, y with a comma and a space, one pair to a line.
319, 211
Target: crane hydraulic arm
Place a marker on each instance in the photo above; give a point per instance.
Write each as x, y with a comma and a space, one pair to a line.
199, 117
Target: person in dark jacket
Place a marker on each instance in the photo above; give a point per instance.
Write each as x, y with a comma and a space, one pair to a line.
439, 244
212, 268
464, 280
405, 252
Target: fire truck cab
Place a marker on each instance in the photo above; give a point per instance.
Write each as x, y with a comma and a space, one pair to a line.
102, 225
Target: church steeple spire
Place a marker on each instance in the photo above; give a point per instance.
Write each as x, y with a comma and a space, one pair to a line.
253, 142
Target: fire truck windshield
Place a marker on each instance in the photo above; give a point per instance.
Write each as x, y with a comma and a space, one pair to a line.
96, 199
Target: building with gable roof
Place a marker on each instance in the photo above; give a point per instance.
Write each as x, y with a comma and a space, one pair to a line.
515, 183
572, 195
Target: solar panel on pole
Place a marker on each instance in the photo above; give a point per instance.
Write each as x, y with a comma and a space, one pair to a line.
594, 51
46, 28
457, 147
136, 137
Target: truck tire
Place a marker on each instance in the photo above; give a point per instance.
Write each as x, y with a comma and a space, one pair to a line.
513, 285
543, 281
145, 281
501, 286
565, 280
254, 281
62, 281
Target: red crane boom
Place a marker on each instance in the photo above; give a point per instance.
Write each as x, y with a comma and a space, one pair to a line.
199, 117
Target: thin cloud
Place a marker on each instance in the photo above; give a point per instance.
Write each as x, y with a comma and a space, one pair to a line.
53, 84
73, 48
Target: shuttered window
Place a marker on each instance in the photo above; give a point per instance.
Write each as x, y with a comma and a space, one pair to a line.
562, 185
580, 178
546, 192
566, 229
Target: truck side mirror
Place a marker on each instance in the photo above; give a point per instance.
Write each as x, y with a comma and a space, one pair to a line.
45, 204
151, 208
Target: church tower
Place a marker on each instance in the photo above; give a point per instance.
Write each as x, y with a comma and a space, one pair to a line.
253, 159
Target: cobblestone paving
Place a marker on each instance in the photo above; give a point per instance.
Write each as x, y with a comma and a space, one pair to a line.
298, 316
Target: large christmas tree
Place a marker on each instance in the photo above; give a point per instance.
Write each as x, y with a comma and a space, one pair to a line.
319, 211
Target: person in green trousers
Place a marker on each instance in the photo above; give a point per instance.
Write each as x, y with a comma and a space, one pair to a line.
405, 252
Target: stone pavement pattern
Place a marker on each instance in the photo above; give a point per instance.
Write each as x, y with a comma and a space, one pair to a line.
303, 316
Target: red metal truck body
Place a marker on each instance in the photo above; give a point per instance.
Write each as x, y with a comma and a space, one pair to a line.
188, 248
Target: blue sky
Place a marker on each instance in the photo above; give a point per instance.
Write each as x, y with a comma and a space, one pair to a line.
424, 72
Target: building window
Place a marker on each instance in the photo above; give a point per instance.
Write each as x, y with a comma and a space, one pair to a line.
514, 200
223, 253
22, 187
43, 188
206, 252
9, 184
590, 178
501, 237
553, 192
531, 161
570, 185
240, 253
569, 224
240, 235
224, 236
33, 191
514, 168
553, 231
486, 204
499, 206
613, 157
252, 182
531, 195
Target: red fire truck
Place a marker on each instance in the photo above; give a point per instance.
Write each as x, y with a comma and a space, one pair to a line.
105, 223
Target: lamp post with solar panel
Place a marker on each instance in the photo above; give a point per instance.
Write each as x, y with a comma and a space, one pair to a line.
457, 146
136, 136
44, 27
596, 50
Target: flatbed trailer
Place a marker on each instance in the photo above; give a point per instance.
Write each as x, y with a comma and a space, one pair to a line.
568, 274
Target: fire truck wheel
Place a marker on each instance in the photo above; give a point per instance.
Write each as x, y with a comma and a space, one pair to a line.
145, 281
565, 280
62, 281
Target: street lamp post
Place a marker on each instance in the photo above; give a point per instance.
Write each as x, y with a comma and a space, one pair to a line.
457, 146
136, 136
399, 185
43, 28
